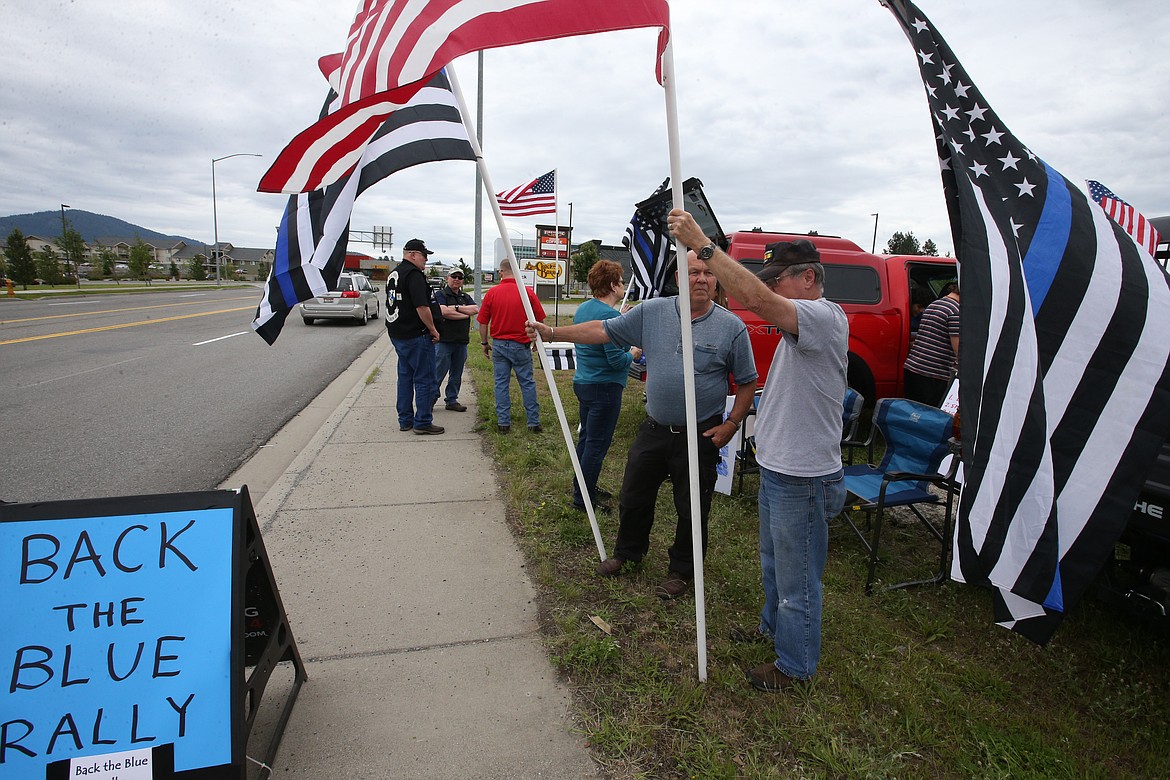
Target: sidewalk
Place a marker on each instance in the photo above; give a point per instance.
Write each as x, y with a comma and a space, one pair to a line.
410, 605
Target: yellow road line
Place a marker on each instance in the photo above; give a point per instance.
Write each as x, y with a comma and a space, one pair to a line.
123, 325
119, 311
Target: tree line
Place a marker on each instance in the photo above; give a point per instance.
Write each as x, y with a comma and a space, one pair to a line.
61, 265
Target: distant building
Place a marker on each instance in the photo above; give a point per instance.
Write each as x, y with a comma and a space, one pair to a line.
247, 261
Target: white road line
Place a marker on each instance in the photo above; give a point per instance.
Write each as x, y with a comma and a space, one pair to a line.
191, 295
68, 303
221, 338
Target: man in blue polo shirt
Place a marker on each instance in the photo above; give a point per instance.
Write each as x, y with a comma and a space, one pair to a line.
722, 349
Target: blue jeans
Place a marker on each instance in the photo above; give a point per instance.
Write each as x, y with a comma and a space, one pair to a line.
450, 357
794, 543
599, 404
416, 380
508, 357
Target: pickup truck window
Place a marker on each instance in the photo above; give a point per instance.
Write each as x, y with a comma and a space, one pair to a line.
843, 283
852, 284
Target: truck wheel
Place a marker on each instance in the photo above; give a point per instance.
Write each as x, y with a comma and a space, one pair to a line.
860, 378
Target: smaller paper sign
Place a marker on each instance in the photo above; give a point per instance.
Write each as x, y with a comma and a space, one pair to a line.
128, 765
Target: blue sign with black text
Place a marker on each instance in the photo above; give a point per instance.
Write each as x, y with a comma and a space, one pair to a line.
117, 640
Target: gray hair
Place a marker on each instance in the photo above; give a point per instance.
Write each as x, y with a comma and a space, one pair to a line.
818, 272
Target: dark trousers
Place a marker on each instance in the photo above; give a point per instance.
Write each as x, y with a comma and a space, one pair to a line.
417, 389
924, 389
599, 405
656, 455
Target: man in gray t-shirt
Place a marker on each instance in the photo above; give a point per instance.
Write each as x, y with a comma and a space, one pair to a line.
722, 350
798, 442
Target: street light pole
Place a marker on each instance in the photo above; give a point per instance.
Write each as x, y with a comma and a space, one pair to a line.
517, 232
873, 249
214, 215
76, 274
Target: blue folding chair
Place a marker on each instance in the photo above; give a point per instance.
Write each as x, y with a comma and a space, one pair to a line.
917, 437
745, 456
850, 420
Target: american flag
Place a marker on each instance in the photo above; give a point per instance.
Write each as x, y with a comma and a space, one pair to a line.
314, 231
1063, 374
538, 196
650, 252
395, 45
1131, 220
397, 42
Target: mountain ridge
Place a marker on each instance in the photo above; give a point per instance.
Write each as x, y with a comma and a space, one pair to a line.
91, 226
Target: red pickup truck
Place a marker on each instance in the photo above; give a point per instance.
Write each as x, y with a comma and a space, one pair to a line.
875, 291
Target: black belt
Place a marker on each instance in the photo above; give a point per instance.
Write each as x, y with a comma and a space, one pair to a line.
707, 424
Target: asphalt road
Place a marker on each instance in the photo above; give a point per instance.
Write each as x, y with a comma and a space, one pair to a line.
113, 395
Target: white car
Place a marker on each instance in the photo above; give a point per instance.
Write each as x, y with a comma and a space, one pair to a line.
354, 299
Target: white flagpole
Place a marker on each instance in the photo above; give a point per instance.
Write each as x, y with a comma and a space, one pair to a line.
684, 309
544, 359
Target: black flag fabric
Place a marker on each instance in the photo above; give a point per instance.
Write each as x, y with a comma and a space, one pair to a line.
1064, 384
650, 253
314, 231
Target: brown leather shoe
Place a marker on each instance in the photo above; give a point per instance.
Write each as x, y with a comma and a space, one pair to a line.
768, 678
610, 567
672, 587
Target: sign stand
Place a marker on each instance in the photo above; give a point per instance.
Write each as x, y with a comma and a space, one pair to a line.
129, 625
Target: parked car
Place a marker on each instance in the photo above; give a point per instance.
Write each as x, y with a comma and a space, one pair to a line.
875, 291
355, 298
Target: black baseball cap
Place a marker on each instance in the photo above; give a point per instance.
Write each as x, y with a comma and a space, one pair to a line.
780, 255
416, 245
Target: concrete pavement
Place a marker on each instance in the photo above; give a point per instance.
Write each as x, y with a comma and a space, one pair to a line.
410, 605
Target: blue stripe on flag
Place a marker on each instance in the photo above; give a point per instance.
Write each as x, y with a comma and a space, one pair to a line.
1050, 240
280, 270
1055, 599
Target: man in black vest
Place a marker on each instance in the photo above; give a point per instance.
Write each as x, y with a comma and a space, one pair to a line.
413, 334
458, 308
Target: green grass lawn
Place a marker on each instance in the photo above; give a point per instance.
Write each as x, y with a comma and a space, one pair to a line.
38, 291
912, 684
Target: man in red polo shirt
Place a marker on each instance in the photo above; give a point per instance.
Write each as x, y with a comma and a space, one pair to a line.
501, 316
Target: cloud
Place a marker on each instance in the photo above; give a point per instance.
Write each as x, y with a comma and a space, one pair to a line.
796, 116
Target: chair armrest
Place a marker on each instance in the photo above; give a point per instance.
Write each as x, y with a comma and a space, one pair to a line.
902, 476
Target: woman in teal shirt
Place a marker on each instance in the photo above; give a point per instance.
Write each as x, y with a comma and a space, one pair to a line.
601, 375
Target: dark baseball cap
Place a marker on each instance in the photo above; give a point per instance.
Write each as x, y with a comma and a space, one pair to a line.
781, 255
416, 245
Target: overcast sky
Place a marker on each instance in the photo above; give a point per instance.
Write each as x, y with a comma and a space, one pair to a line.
796, 115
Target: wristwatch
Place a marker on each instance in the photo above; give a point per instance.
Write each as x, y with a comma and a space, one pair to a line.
707, 252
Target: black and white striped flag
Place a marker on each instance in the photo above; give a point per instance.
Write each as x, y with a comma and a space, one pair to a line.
314, 231
1063, 375
650, 252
